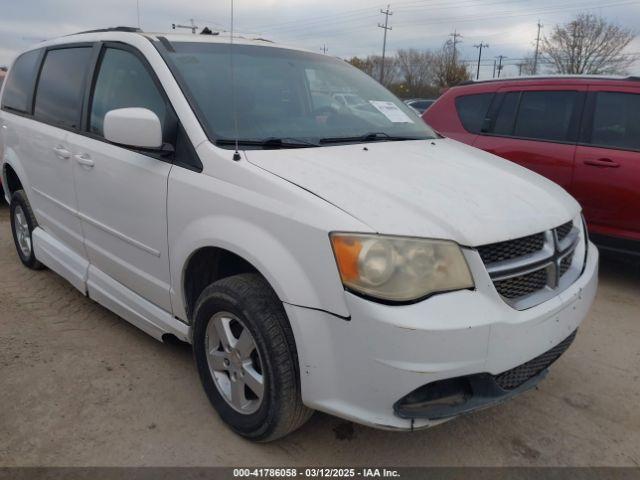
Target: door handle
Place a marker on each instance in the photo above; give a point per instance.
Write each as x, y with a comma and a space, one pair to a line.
62, 152
84, 160
602, 162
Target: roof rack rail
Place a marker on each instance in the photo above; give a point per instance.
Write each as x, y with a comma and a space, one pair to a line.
525, 78
111, 29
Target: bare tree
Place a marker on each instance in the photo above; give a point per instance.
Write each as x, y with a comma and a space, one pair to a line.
417, 69
588, 45
448, 69
526, 65
371, 65
364, 64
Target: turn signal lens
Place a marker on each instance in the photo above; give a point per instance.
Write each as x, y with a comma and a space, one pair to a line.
399, 269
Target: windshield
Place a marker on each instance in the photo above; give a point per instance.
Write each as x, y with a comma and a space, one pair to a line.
298, 98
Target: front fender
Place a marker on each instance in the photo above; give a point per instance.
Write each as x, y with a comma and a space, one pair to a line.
254, 244
282, 230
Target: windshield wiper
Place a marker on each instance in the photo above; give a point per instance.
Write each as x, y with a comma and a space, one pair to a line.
268, 143
368, 137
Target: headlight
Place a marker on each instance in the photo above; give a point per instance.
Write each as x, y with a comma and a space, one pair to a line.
399, 269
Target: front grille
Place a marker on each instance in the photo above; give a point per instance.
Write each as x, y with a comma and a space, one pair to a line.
517, 376
522, 285
565, 264
563, 230
499, 252
529, 270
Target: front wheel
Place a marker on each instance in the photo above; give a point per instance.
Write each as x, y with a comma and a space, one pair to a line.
246, 357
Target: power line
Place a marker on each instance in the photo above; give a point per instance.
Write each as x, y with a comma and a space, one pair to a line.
479, 47
455, 36
500, 66
535, 57
330, 27
386, 28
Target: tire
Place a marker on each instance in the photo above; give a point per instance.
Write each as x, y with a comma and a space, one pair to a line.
233, 305
23, 223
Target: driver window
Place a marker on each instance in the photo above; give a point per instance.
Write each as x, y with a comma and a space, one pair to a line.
123, 82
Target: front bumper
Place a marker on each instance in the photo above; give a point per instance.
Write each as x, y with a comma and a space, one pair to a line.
360, 369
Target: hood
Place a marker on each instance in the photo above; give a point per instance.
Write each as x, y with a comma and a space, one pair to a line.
432, 188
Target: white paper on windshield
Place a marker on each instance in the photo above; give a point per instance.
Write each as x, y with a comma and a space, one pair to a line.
391, 111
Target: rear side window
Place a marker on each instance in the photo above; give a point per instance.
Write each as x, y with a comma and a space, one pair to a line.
17, 91
472, 110
616, 120
505, 119
123, 82
545, 115
61, 86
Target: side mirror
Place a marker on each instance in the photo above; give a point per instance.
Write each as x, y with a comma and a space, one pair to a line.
133, 127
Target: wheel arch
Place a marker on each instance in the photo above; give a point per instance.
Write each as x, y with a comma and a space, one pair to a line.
244, 247
13, 175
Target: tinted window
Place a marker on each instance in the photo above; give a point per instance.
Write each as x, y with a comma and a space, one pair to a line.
123, 82
18, 89
616, 120
545, 115
472, 110
61, 86
507, 114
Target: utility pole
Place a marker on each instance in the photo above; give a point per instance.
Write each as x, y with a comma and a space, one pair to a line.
500, 67
455, 36
193, 27
494, 68
324, 49
535, 57
480, 46
138, 11
520, 65
386, 27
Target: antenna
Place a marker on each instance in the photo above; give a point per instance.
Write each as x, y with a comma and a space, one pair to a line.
236, 155
138, 11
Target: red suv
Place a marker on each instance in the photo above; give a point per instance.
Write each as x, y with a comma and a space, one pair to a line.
581, 132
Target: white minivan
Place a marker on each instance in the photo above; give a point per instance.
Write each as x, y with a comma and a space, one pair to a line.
317, 256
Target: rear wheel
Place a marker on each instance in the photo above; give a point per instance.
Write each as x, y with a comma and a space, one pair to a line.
23, 222
246, 358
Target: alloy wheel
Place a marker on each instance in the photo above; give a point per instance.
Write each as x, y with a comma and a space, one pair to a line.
235, 363
23, 235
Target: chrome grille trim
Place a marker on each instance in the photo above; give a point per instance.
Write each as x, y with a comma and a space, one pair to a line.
520, 281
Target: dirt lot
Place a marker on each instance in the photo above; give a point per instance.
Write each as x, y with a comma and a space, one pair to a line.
80, 386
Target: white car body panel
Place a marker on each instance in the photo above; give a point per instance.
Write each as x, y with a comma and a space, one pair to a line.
133, 308
433, 189
246, 208
124, 228
44, 156
61, 259
123, 209
393, 350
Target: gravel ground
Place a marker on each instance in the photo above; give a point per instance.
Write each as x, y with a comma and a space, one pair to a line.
79, 386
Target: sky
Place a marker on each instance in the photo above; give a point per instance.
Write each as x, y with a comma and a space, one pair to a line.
346, 27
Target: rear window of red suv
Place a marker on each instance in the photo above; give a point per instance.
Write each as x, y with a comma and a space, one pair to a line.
472, 110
